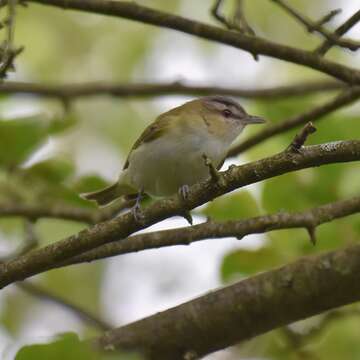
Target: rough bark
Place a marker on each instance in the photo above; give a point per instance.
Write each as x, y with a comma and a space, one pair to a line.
246, 309
124, 225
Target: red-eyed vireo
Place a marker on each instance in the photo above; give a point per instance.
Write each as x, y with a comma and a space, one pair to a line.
168, 156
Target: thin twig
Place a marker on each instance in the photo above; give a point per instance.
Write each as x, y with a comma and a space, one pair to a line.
215, 11
34, 212
328, 17
341, 30
238, 23
140, 90
9, 52
65, 212
345, 98
315, 27
240, 19
133, 11
300, 138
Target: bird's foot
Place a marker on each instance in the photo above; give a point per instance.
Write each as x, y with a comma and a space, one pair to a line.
136, 210
184, 192
184, 195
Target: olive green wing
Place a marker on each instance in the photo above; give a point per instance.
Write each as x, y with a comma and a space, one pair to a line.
153, 131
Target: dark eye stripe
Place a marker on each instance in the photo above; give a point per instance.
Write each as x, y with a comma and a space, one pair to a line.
228, 102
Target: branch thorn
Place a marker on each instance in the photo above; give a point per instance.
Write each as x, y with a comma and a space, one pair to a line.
312, 233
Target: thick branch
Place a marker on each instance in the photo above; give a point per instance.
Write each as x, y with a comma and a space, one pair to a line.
254, 45
246, 309
215, 230
124, 225
345, 98
73, 91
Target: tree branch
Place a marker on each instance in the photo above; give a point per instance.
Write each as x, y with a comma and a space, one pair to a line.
65, 212
300, 138
345, 98
214, 230
239, 21
124, 225
342, 29
31, 241
90, 216
246, 309
74, 91
312, 26
253, 45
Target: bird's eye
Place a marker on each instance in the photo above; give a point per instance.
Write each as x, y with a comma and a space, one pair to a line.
227, 113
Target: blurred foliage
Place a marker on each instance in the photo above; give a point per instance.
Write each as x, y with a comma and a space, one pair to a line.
96, 133
232, 207
69, 347
20, 137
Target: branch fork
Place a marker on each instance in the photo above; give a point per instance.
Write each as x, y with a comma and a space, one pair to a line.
300, 138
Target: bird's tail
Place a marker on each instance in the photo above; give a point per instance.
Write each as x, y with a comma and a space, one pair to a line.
109, 194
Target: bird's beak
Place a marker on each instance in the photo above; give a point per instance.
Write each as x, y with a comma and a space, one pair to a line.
250, 119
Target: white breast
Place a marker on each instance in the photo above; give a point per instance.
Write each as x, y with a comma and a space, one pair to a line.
162, 166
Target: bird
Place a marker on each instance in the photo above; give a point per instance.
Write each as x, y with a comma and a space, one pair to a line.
168, 157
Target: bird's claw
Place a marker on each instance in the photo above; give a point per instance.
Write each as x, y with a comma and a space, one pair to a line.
137, 213
183, 192
136, 209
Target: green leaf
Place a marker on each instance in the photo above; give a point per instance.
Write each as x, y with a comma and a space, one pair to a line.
231, 207
22, 136
19, 138
68, 346
60, 124
246, 262
89, 183
280, 193
52, 170
303, 189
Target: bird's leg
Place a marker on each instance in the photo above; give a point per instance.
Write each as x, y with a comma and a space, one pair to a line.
214, 173
184, 194
136, 209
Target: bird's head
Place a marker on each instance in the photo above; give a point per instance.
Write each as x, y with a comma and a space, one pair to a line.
225, 116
